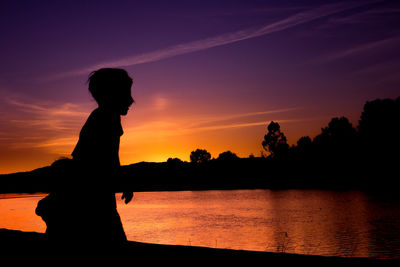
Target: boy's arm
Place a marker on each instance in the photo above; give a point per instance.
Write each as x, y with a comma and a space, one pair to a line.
122, 185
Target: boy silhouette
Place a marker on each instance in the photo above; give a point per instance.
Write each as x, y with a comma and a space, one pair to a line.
81, 209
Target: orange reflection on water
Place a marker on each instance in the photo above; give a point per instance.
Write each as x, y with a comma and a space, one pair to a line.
20, 215
318, 222
321, 222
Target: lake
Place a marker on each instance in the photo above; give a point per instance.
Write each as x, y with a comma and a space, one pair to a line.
318, 222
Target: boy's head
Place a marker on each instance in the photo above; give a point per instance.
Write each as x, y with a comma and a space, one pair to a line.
111, 88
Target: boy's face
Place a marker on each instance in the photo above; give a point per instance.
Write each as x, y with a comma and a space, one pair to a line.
118, 100
125, 100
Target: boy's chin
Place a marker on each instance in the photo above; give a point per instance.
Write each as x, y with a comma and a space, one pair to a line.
124, 112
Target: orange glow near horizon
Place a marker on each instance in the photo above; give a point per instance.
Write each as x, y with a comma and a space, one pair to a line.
152, 138
156, 129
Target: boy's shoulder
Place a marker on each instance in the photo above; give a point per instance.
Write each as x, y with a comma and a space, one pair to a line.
107, 122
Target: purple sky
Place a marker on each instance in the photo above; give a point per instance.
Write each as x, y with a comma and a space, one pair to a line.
207, 74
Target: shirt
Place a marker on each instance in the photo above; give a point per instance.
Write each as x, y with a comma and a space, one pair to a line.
99, 139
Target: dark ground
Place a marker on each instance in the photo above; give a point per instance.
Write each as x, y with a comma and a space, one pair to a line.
32, 248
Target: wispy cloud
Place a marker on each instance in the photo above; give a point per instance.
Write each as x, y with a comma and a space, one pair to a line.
34, 106
199, 122
234, 125
54, 109
170, 127
360, 49
367, 16
224, 39
31, 124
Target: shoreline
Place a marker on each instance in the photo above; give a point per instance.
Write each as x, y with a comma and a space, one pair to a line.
36, 244
245, 173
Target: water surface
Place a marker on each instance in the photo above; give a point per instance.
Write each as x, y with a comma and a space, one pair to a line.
294, 221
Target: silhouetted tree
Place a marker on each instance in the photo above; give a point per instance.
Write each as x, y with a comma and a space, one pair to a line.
338, 137
275, 141
379, 134
339, 128
379, 126
304, 143
227, 155
174, 161
200, 156
304, 146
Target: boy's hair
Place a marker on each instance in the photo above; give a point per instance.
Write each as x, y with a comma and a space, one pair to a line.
103, 81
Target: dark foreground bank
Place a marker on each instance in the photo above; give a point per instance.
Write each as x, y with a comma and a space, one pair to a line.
32, 247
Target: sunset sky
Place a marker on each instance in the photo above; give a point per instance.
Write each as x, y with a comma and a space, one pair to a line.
207, 74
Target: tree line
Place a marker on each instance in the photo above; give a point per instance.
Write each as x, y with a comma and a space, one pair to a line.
377, 136
341, 155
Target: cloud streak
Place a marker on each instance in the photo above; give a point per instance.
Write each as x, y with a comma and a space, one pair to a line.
367, 16
201, 124
236, 125
49, 109
360, 49
40, 124
224, 39
213, 119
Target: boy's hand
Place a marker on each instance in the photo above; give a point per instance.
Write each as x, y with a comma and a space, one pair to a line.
127, 196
